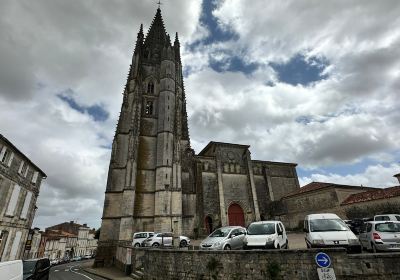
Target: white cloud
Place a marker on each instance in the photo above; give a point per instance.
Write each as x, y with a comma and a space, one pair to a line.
377, 176
52, 46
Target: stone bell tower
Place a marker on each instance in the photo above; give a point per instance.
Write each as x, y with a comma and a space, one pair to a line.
144, 186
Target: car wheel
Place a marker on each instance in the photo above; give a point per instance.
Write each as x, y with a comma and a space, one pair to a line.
287, 244
183, 243
278, 246
137, 245
373, 248
155, 245
227, 247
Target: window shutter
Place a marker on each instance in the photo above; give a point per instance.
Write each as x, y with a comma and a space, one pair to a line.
2, 153
27, 202
13, 201
34, 178
10, 160
26, 171
15, 246
21, 166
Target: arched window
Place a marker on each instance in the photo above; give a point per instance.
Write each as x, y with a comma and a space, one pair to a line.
150, 88
149, 108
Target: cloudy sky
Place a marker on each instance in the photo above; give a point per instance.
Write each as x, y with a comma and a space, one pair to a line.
311, 82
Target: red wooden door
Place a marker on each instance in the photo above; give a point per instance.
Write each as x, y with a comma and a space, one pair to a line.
235, 215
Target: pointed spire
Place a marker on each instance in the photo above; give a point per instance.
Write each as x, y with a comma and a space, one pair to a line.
140, 37
156, 33
176, 43
177, 47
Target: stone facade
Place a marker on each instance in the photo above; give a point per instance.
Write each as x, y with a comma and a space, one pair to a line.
155, 180
315, 197
20, 181
260, 265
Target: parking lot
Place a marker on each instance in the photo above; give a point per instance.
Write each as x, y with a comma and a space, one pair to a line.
296, 240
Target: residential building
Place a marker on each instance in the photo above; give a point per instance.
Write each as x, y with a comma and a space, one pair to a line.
79, 239
20, 181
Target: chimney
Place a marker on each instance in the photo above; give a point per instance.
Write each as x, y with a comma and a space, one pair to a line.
85, 225
398, 177
71, 222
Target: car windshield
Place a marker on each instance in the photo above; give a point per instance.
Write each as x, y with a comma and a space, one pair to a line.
221, 232
387, 227
261, 229
318, 225
29, 267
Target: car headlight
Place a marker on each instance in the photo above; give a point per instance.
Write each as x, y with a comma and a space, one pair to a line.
217, 244
318, 242
354, 242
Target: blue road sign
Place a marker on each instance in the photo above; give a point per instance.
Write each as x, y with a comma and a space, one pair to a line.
322, 260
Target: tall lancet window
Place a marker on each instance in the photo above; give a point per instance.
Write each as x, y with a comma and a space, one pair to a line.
149, 108
150, 88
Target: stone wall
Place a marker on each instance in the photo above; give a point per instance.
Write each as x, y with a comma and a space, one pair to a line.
257, 265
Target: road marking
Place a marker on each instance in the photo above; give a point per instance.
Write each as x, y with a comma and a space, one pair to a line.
56, 270
79, 273
66, 269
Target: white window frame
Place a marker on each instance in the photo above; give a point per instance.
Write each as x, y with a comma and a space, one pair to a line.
2, 153
35, 177
27, 203
26, 171
12, 204
21, 167
10, 159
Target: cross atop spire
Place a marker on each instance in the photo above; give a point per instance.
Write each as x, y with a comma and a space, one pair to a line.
159, 4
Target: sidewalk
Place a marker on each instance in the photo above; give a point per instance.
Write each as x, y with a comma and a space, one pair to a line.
110, 273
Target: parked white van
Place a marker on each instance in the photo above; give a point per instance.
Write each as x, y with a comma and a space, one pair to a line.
266, 235
139, 237
328, 230
11, 270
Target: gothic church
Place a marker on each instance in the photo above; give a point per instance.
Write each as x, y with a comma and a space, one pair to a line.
156, 182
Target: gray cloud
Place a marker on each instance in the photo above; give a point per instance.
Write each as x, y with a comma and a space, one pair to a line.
48, 47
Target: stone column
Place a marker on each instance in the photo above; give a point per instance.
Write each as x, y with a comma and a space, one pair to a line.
253, 187
223, 210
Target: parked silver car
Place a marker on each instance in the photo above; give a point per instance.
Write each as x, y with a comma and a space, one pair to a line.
225, 238
165, 239
380, 236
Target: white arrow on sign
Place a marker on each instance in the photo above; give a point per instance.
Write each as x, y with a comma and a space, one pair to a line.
323, 259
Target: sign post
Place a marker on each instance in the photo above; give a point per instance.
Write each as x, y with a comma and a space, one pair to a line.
325, 272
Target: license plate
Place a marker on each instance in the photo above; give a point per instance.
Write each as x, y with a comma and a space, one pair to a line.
395, 245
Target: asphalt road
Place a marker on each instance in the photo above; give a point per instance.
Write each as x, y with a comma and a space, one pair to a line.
72, 271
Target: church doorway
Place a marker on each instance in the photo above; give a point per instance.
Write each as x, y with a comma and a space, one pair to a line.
235, 215
209, 224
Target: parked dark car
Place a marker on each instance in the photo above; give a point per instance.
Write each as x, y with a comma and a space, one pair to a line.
356, 225
36, 269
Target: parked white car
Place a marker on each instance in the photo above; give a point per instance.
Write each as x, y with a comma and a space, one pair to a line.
139, 237
387, 217
266, 235
328, 230
225, 238
380, 236
165, 239
11, 270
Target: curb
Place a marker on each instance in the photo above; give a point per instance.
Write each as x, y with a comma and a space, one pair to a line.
92, 271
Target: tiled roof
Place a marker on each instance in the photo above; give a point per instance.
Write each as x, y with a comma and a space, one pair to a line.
372, 195
320, 185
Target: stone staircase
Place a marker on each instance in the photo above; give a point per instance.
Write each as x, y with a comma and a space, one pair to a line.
138, 274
